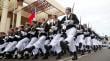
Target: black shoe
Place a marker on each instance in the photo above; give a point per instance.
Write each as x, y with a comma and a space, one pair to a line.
58, 57
45, 57
35, 57
74, 58
54, 53
15, 57
7, 56
89, 51
82, 53
1, 55
26, 55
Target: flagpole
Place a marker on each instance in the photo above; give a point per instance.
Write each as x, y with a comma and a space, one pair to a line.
73, 7
35, 13
80, 22
88, 25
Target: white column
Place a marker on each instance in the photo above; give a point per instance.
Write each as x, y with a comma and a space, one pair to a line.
8, 24
18, 19
4, 16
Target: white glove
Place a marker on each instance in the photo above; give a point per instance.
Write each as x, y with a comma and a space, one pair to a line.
17, 36
63, 26
70, 21
54, 27
40, 29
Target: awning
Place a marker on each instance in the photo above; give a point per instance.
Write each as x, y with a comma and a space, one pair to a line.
46, 6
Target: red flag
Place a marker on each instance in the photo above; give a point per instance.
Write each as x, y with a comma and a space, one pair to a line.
32, 16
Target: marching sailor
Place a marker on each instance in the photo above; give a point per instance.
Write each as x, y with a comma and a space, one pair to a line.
87, 37
8, 51
94, 44
69, 23
36, 45
80, 42
33, 37
55, 38
3, 43
23, 42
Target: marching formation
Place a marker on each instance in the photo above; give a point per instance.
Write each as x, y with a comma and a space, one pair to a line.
51, 37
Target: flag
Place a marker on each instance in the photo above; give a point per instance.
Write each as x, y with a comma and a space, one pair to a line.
32, 16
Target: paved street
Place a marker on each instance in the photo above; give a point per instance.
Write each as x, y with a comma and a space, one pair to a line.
103, 55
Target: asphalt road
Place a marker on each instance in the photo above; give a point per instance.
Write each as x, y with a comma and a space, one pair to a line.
103, 55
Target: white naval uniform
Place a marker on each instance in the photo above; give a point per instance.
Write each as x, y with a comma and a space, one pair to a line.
76, 42
71, 31
88, 41
97, 42
55, 43
22, 44
94, 41
80, 39
70, 38
39, 44
3, 46
71, 44
33, 40
100, 42
10, 47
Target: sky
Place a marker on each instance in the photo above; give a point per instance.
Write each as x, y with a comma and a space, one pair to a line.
96, 13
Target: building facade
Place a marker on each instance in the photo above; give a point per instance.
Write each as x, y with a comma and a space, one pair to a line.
13, 13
